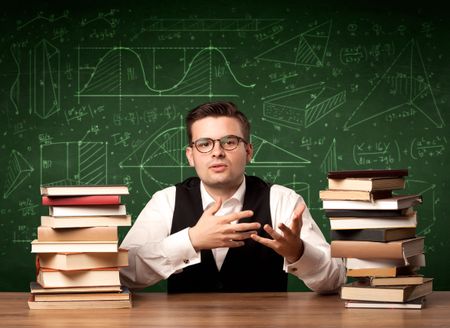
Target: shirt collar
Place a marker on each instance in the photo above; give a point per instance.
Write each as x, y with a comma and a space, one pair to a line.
238, 196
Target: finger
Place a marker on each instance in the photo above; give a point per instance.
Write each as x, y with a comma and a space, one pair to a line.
275, 235
264, 241
296, 224
233, 244
214, 207
242, 235
237, 216
286, 231
245, 226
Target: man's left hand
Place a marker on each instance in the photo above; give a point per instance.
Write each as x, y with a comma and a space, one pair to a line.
288, 244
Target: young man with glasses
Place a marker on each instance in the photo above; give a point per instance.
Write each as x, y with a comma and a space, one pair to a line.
215, 232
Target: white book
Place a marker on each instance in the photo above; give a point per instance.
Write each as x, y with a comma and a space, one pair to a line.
74, 246
394, 203
85, 221
356, 263
84, 190
89, 210
349, 223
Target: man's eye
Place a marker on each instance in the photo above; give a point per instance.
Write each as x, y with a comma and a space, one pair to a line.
203, 144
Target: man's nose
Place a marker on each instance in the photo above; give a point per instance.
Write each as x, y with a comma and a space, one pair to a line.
217, 150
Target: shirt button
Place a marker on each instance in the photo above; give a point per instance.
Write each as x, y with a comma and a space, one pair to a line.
186, 261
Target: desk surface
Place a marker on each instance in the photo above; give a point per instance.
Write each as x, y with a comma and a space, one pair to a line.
294, 309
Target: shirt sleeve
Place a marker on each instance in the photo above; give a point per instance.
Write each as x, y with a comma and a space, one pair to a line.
318, 270
153, 253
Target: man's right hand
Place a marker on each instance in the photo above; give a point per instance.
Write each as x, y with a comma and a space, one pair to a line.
218, 231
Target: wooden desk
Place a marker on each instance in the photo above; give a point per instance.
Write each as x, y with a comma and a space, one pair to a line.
301, 309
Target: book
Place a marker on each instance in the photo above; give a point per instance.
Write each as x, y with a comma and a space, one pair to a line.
35, 288
399, 280
84, 190
367, 184
356, 263
77, 234
393, 203
82, 261
367, 173
362, 291
49, 278
398, 249
70, 297
88, 210
81, 200
348, 223
382, 272
369, 213
383, 267
85, 221
74, 305
73, 246
368, 196
416, 304
382, 234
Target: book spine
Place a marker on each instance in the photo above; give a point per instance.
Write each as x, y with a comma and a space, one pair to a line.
77, 234
81, 200
366, 249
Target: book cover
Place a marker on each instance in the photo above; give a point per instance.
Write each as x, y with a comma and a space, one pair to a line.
74, 246
81, 200
78, 305
394, 203
399, 249
70, 297
77, 234
362, 291
369, 213
416, 304
367, 173
354, 223
381, 235
88, 210
85, 221
35, 288
368, 196
48, 278
83, 261
400, 280
84, 190
367, 184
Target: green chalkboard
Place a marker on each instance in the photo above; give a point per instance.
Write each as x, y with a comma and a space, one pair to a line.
97, 94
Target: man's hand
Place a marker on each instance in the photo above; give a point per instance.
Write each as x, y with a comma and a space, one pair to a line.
289, 245
217, 231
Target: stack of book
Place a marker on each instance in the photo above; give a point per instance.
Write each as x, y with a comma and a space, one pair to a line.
375, 232
77, 255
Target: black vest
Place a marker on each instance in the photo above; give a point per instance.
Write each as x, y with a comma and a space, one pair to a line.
249, 268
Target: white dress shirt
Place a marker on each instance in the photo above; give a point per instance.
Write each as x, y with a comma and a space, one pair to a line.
154, 254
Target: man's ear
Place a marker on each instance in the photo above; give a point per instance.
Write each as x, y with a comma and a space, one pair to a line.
189, 156
249, 151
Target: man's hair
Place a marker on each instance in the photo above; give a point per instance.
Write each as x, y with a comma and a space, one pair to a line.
217, 109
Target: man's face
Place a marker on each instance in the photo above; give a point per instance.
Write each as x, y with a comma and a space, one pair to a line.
219, 169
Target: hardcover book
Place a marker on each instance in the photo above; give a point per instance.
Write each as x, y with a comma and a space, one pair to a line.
394, 203
362, 291
85, 221
84, 190
367, 173
399, 249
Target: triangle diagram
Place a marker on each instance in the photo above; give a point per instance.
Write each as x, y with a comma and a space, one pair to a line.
269, 155
403, 86
306, 49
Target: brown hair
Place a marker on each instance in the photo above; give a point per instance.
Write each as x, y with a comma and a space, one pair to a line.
216, 109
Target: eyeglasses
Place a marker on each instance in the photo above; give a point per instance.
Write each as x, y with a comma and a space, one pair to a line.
205, 145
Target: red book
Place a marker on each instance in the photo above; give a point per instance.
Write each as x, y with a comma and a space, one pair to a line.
81, 200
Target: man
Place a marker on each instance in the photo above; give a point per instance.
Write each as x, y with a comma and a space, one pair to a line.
215, 232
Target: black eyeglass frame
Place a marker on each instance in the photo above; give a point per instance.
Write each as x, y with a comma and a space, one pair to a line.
222, 141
